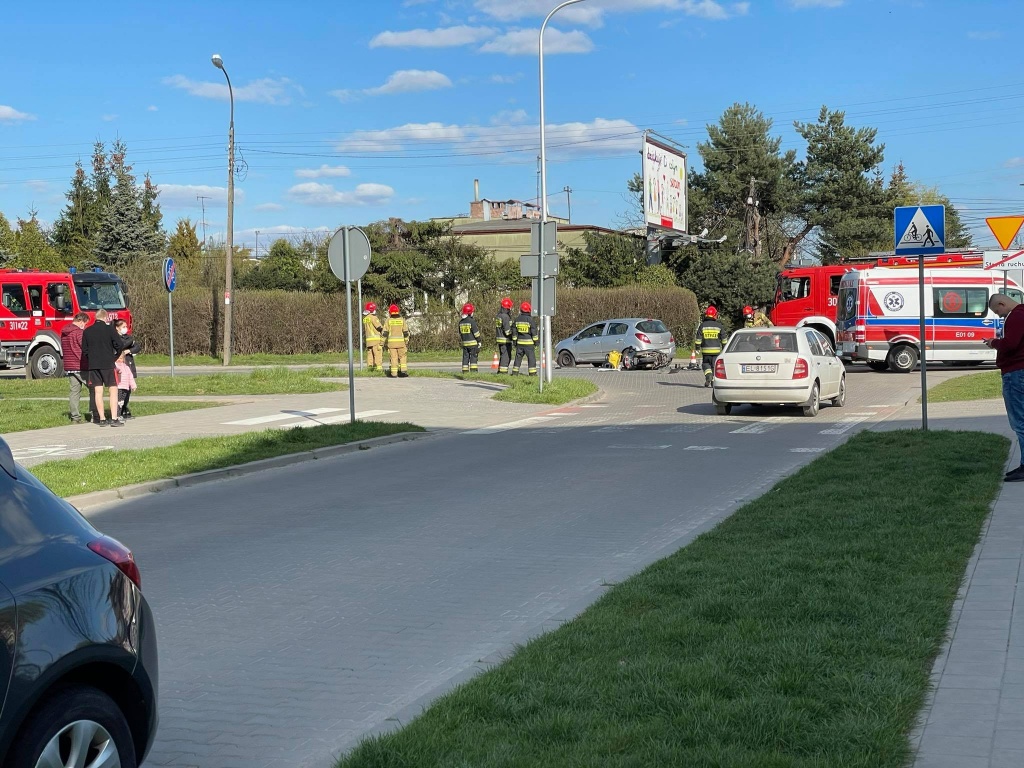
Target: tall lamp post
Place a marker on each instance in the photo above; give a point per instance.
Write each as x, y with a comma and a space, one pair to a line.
218, 62
544, 321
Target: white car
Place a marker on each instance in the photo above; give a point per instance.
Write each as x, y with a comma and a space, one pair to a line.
778, 366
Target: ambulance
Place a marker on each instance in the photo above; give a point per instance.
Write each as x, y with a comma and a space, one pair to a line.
878, 316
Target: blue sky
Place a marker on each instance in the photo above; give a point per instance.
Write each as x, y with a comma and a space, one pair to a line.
351, 111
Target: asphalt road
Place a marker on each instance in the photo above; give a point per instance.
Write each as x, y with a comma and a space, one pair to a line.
302, 607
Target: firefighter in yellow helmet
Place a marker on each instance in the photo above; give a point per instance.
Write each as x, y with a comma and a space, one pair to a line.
526, 337
469, 332
372, 338
396, 336
710, 340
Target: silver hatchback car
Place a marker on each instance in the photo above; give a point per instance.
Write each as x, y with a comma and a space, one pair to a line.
594, 342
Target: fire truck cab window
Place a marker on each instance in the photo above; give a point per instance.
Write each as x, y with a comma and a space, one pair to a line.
960, 302
14, 299
833, 285
53, 290
35, 295
796, 288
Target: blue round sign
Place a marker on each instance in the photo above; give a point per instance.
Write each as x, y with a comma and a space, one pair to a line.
170, 274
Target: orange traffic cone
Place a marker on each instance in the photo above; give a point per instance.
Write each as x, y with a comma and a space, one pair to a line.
693, 360
494, 362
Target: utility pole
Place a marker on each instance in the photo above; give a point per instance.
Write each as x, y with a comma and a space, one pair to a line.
568, 200
229, 249
752, 221
202, 201
256, 250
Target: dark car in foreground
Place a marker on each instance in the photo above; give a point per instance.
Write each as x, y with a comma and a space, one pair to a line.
78, 656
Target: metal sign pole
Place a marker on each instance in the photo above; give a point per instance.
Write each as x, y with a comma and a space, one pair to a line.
170, 321
924, 346
359, 311
348, 323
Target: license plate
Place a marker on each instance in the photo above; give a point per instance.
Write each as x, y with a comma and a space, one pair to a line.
759, 368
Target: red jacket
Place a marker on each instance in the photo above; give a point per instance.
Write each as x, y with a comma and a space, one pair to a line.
71, 348
1010, 348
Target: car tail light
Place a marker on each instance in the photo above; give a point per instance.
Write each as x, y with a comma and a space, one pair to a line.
117, 553
672, 339
800, 370
860, 333
643, 337
720, 369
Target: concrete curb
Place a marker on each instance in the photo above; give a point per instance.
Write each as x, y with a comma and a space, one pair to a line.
91, 501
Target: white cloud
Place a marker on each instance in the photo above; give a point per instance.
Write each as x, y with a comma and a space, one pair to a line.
316, 194
185, 196
411, 81
523, 42
108, 118
991, 34
816, 3
507, 79
269, 234
442, 37
152, 108
268, 90
11, 115
509, 117
36, 185
323, 172
510, 138
1015, 162
593, 13
262, 207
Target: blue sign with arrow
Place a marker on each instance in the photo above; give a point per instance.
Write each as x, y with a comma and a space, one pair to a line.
920, 230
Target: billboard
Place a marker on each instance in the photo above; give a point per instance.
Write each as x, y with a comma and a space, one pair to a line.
665, 193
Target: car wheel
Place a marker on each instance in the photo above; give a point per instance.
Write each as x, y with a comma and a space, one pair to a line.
902, 359
566, 360
840, 399
878, 365
80, 727
46, 363
811, 409
723, 409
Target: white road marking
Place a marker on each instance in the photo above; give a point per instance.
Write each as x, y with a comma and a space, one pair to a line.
335, 419
686, 428
640, 447
280, 417
38, 451
845, 425
760, 427
872, 413
593, 406
705, 448
806, 450
508, 425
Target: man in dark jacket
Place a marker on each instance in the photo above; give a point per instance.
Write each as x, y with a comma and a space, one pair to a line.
75, 366
1010, 359
101, 346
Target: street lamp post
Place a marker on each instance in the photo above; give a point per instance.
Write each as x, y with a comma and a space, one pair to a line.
218, 62
544, 321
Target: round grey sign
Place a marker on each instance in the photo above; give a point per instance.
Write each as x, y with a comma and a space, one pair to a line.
358, 253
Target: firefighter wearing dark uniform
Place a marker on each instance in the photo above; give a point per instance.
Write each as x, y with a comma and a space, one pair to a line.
372, 338
396, 336
469, 332
710, 340
526, 338
503, 335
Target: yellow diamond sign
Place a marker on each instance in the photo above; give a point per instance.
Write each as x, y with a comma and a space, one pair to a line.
1005, 228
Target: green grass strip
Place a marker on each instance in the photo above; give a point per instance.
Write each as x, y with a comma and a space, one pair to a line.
264, 381
516, 389
974, 386
23, 415
323, 358
799, 633
114, 469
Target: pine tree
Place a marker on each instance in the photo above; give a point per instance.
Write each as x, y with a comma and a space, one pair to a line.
7, 243
75, 232
100, 181
31, 248
151, 213
124, 235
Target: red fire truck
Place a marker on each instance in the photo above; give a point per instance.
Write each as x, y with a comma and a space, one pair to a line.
35, 307
810, 295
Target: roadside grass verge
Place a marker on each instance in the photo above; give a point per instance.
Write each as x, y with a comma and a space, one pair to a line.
114, 469
516, 389
324, 358
800, 632
264, 381
974, 386
23, 415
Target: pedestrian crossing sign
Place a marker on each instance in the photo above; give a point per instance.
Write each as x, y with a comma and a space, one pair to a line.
920, 230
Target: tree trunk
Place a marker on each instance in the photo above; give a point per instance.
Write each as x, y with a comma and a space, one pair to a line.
793, 242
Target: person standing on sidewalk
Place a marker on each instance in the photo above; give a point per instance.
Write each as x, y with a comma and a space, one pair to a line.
396, 334
75, 365
372, 338
526, 337
126, 370
1010, 359
469, 334
503, 331
101, 346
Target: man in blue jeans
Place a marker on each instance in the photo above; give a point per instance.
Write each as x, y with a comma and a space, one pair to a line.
1010, 359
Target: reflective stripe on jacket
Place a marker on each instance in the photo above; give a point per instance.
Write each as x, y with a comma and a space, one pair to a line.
710, 337
524, 332
469, 331
503, 327
397, 333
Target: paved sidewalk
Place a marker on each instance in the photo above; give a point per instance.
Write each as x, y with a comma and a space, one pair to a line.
974, 717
